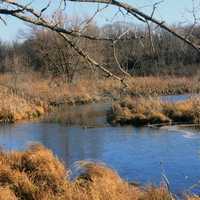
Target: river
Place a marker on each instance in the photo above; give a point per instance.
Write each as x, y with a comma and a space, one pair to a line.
142, 155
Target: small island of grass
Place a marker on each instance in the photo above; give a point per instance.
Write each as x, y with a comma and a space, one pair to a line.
147, 111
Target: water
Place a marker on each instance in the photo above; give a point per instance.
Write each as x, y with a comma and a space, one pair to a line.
91, 115
138, 154
175, 98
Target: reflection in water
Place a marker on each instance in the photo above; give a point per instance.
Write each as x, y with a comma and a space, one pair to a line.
139, 154
91, 115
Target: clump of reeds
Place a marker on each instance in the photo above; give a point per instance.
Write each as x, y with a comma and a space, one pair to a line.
84, 90
37, 174
143, 111
34, 174
14, 108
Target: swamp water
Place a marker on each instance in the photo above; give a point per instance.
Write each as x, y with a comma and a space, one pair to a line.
142, 155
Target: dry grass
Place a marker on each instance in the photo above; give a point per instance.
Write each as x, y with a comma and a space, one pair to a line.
54, 92
14, 108
143, 111
37, 175
28, 95
153, 86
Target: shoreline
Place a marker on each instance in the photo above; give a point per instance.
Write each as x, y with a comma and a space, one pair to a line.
36, 173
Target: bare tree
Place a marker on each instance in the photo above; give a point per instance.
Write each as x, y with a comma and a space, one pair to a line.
29, 14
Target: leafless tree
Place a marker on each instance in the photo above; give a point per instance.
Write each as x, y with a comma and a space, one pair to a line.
26, 12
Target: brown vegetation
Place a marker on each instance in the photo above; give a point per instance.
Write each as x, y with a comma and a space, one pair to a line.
143, 111
34, 87
29, 95
14, 108
85, 90
163, 85
152, 86
37, 175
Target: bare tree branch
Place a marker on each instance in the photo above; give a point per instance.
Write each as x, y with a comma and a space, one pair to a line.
143, 17
115, 55
62, 32
28, 14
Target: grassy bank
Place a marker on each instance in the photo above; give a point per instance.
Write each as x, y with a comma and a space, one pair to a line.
55, 92
155, 86
33, 86
37, 175
29, 95
143, 111
15, 108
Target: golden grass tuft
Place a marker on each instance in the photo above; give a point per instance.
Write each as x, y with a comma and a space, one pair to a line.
33, 174
15, 108
143, 111
158, 118
153, 193
37, 174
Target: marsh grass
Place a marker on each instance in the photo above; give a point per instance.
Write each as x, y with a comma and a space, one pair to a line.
143, 111
34, 86
14, 108
30, 95
82, 91
153, 86
166, 85
37, 174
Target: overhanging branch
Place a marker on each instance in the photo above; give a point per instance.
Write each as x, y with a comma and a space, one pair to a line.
135, 12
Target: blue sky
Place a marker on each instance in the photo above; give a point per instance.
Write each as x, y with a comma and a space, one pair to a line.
171, 11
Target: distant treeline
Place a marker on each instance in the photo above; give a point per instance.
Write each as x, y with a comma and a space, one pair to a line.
141, 51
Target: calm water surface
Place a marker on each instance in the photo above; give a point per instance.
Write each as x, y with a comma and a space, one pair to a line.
137, 154
175, 98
